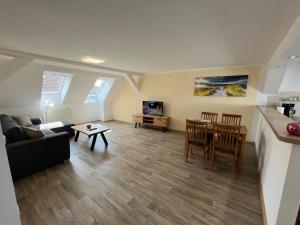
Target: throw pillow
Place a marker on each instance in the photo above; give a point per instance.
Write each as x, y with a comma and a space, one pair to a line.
23, 120
32, 133
2, 116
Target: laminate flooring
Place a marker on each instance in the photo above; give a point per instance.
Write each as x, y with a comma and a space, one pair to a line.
140, 178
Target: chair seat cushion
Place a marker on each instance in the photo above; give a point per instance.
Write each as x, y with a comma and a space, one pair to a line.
197, 142
224, 150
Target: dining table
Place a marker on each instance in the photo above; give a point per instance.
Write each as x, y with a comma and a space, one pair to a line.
243, 135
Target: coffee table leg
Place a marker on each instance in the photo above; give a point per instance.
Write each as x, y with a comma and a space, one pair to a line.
76, 136
94, 142
104, 139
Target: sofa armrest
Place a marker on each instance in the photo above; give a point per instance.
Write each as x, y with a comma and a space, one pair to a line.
29, 156
36, 121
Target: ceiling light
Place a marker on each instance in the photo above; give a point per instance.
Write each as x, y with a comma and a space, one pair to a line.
93, 60
281, 66
293, 57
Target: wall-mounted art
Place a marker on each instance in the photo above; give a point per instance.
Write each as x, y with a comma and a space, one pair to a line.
234, 86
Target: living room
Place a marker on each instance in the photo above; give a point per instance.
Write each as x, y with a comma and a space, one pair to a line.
113, 112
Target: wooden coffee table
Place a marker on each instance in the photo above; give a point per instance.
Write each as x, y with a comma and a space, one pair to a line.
94, 131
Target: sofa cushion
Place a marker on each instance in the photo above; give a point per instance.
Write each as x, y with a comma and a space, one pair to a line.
57, 127
11, 129
32, 133
48, 132
23, 120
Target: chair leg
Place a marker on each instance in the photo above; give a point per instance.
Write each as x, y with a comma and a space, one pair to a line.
212, 161
204, 154
206, 157
187, 153
210, 150
234, 166
207, 152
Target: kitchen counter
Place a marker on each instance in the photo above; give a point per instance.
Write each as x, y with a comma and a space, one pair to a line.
278, 156
296, 118
278, 124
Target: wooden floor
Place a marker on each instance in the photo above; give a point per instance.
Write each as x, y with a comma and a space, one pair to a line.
140, 178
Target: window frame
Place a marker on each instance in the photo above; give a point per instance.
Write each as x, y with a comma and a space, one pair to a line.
52, 73
97, 93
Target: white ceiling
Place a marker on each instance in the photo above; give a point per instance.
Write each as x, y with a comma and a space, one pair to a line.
149, 35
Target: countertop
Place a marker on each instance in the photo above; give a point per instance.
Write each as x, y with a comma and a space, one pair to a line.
278, 123
296, 118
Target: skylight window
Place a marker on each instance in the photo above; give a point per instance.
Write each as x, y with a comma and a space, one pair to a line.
92, 96
52, 82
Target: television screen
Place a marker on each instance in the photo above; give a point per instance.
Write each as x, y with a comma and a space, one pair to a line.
153, 108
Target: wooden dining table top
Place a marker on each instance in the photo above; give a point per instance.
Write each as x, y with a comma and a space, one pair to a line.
244, 130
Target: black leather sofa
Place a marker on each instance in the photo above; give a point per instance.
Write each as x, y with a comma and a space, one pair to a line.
27, 156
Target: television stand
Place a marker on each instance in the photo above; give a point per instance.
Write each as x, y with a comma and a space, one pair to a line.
145, 119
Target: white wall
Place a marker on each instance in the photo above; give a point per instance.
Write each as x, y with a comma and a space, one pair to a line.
9, 211
279, 173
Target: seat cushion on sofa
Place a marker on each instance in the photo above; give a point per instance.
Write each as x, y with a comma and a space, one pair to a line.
32, 133
66, 127
56, 127
49, 126
48, 132
23, 120
11, 129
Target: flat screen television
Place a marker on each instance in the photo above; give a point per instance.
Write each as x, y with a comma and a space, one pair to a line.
153, 108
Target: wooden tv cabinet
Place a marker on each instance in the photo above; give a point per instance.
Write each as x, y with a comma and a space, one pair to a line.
158, 121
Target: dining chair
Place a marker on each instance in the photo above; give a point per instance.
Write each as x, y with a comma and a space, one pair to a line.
232, 119
226, 143
213, 117
197, 137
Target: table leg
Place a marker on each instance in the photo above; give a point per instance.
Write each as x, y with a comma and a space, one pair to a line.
104, 139
94, 142
76, 136
242, 151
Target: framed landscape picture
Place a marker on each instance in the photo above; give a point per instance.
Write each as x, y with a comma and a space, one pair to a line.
233, 86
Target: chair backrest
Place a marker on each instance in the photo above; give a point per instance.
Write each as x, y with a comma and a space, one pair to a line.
232, 119
226, 136
213, 117
197, 130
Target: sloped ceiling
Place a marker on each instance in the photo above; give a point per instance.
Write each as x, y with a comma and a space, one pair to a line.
79, 88
149, 35
23, 89
291, 80
278, 67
